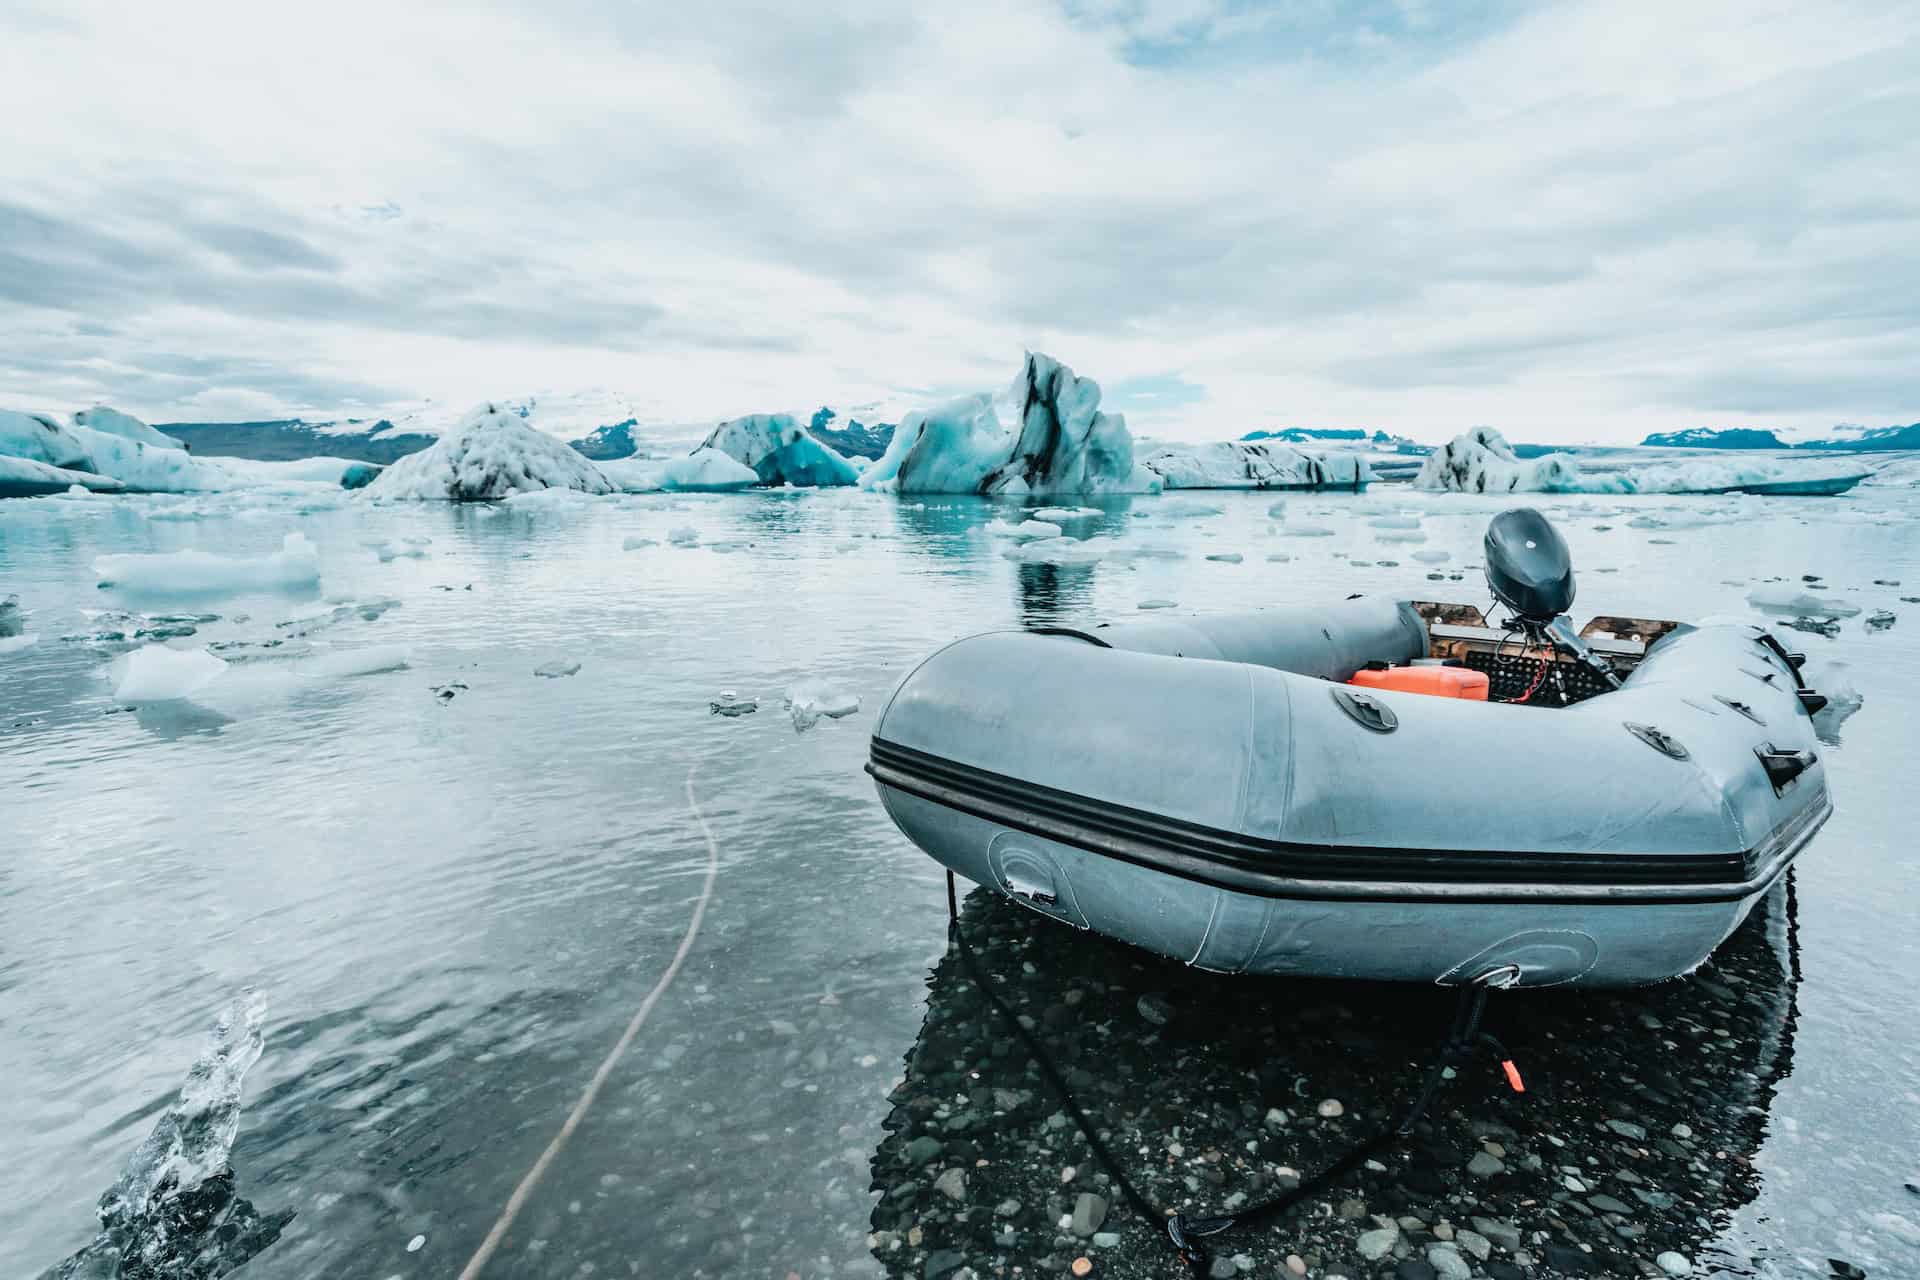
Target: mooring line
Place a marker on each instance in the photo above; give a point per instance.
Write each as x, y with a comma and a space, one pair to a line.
524, 1191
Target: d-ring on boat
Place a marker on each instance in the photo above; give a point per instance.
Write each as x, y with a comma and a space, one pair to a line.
1283, 793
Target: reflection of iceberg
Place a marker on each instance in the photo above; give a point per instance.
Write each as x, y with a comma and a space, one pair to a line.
174, 1213
1242, 464
1207, 1087
1481, 461
781, 451
1045, 435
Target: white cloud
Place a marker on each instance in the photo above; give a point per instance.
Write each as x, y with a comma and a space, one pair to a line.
1586, 221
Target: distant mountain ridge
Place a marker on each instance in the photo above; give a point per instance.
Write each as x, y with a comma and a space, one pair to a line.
290, 439
855, 440
1850, 440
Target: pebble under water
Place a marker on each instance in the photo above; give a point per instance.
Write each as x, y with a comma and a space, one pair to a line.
382, 896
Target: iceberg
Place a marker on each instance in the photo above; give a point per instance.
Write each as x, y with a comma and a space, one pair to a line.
294, 566
781, 451
115, 423
25, 478
1243, 464
490, 454
1481, 461
1044, 435
121, 454
702, 471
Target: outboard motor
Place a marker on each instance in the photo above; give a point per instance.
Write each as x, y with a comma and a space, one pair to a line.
1530, 572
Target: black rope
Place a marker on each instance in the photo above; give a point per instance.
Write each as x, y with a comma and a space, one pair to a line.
1183, 1232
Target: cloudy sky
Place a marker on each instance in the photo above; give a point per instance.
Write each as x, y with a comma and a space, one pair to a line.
1577, 221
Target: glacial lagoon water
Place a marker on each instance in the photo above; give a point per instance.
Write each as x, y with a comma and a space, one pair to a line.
451, 884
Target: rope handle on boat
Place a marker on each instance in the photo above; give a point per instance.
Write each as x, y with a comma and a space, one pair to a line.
1184, 1233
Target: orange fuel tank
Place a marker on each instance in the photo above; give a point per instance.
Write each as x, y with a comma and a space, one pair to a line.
1441, 682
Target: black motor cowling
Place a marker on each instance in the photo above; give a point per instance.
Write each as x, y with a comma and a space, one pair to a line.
1528, 567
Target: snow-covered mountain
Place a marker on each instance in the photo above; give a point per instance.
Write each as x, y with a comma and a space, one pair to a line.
1845, 438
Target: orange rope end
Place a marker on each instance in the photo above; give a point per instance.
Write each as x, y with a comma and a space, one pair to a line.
1513, 1075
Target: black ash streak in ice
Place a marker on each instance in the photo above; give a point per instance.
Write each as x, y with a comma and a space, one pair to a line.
174, 1214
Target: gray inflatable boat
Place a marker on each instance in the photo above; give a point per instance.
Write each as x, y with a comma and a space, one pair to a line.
1216, 789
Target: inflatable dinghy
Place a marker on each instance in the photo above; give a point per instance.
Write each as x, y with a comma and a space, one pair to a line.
1283, 793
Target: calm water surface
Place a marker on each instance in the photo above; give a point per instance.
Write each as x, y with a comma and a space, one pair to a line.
454, 905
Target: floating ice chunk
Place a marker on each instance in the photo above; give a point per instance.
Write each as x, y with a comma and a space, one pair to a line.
1399, 535
1785, 598
389, 550
489, 454
702, 471
807, 703
1060, 515
558, 669
26, 478
1158, 604
1306, 531
1254, 464
1186, 509
157, 673
1062, 551
1279, 557
1045, 435
295, 565
730, 703
1481, 461
1394, 522
14, 644
1433, 557
173, 1211
1835, 680
1227, 557
1882, 620
340, 664
684, 536
12, 619
114, 423
780, 451
1025, 531
1278, 511
633, 542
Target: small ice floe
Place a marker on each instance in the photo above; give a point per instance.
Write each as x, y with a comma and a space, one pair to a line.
173, 1211
730, 703
1186, 509
558, 669
1278, 511
1279, 557
1879, 621
1026, 530
807, 703
1060, 515
295, 565
298, 628
1399, 535
1226, 557
1828, 627
1784, 598
1061, 551
684, 536
1394, 522
634, 542
1307, 531
13, 620
157, 673
1834, 680
1158, 604
728, 548
446, 693
1432, 557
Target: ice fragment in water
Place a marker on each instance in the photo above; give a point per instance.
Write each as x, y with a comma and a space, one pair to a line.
1057, 515
1025, 531
295, 565
1227, 557
807, 703
1307, 531
157, 673
730, 703
558, 669
635, 542
14, 644
173, 1213
1432, 557
1158, 604
12, 620
1783, 598
684, 536
1882, 620
370, 660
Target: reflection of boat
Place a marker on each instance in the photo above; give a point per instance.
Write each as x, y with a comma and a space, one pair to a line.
1644, 1108
1216, 790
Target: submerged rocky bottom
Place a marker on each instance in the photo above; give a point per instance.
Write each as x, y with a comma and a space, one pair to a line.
1624, 1157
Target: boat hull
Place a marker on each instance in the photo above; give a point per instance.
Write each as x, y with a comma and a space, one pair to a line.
1227, 813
